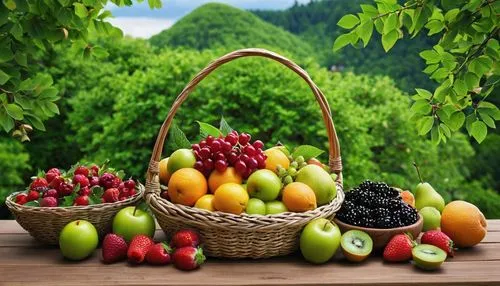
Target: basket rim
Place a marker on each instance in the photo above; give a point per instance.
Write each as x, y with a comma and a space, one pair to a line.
102, 206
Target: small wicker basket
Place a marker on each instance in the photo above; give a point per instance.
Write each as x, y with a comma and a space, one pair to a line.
45, 224
241, 236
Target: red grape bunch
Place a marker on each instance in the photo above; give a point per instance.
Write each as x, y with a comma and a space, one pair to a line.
234, 150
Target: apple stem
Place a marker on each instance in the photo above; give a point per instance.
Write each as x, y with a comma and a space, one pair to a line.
77, 222
418, 172
325, 225
135, 209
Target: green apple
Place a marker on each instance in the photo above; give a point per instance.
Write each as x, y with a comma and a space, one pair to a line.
275, 207
78, 240
319, 240
256, 206
320, 181
131, 221
264, 185
432, 218
181, 158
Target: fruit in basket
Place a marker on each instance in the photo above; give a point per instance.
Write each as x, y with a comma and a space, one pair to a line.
432, 218
21, 199
426, 195
163, 171
186, 186
439, 239
376, 205
65, 189
275, 207
188, 258
356, 245
319, 240
114, 248
264, 184
320, 182
231, 198
131, 221
206, 202
218, 178
82, 170
81, 180
428, 257
464, 223
275, 158
33, 196
39, 185
50, 193
159, 254
185, 237
48, 202
81, 201
399, 248
107, 180
299, 197
111, 195
314, 161
181, 158
256, 206
78, 240
138, 248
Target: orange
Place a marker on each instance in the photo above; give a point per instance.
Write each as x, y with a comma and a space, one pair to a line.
464, 223
186, 186
164, 174
231, 198
206, 202
299, 197
217, 178
276, 157
407, 197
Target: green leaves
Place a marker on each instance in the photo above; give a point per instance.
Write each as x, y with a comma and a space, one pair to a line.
342, 41
349, 21
424, 125
480, 65
224, 127
80, 10
479, 130
178, 139
307, 151
207, 129
14, 111
430, 56
389, 39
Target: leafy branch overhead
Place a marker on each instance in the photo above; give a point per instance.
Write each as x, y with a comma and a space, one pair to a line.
464, 62
28, 98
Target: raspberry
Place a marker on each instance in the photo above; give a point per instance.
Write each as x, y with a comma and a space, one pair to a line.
107, 180
81, 180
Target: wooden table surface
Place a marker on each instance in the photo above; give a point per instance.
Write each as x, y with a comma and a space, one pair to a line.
23, 261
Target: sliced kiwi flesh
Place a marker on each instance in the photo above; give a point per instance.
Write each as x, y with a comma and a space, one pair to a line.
356, 245
428, 257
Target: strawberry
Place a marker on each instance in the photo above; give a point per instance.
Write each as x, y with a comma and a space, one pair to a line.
85, 191
159, 254
51, 174
82, 180
114, 248
54, 171
81, 201
399, 248
94, 181
94, 171
48, 202
21, 199
82, 170
50, 193
33, 196
438, 239
185, 237
56, 182
116, 182
39, 184
138, 248
188, 258
111, 195
107, 180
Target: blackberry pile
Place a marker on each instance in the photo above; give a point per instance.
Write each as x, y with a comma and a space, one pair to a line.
375, 204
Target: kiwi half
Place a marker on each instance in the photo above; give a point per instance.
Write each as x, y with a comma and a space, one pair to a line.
428, 257
356, 245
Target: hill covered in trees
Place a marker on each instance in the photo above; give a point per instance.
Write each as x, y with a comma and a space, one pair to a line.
221, 26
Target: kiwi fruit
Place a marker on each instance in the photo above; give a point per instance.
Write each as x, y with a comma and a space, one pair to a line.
356, 245
428, 257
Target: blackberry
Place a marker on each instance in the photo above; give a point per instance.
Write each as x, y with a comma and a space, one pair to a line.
381, 212
396, 204
383, 222
367, 185
409, 215
366, 198
380, 202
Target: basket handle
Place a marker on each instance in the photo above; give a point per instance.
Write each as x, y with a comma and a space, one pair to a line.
335, 161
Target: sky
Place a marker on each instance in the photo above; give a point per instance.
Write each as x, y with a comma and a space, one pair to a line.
142, 22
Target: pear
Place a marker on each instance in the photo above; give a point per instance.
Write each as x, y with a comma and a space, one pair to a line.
426, 196
432, 218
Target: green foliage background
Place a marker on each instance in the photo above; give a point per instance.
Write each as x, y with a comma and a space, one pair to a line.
113, 108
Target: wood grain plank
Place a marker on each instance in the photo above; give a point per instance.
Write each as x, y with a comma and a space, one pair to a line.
250, 273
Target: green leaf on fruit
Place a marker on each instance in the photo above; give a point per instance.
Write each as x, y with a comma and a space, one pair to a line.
32, 204
208, 129
96, 194
68, 200
307, 151
224, 126
178, 139
120, 174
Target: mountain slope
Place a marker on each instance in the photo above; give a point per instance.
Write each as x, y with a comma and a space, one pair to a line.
217, 25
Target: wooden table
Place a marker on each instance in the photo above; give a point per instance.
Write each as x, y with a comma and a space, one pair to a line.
23, 261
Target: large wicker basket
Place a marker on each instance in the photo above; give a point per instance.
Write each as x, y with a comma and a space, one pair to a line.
45, 224
241, 236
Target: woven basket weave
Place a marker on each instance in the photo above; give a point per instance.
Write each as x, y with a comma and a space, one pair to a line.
241, 236
45, 224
